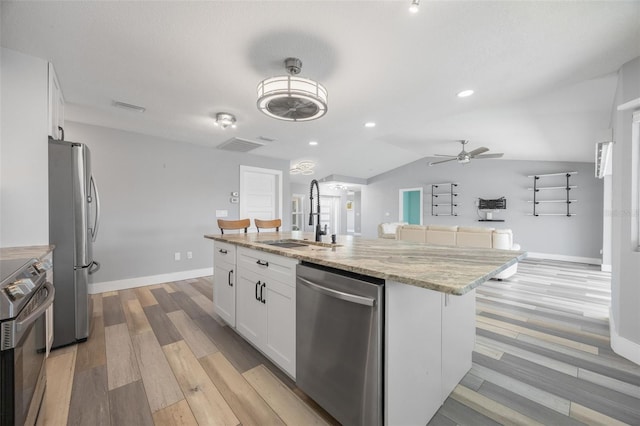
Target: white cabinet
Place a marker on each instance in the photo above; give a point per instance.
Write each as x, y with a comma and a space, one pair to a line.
265, 304
458, 338
428, 348
56, 105
224, 282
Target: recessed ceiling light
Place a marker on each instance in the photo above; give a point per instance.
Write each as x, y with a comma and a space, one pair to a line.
465, 93
415, 4
370, 124
313, 143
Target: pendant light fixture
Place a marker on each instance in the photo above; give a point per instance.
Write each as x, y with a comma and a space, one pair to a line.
292, 98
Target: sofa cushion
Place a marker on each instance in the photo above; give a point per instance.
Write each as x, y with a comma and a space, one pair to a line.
442, 228
475, 229
415, 233
474, 236
441, 235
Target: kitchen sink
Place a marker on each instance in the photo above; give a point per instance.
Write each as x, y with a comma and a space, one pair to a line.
292, 243
285, 244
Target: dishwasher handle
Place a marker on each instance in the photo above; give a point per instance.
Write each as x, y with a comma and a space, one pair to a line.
367, 301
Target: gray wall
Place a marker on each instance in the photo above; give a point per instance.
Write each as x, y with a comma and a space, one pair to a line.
579, 235
625, 291
159, 197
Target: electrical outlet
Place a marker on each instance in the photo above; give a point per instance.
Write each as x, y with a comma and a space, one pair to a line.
176, 256
189, 255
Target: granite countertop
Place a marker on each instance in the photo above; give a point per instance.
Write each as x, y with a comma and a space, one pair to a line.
25, 252
441, 268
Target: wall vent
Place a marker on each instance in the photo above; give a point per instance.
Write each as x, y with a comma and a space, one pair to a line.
239, 145
130, 107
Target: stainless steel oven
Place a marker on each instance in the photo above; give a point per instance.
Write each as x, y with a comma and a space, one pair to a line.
25, 295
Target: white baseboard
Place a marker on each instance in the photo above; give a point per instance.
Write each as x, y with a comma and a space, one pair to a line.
622, 346
576, 259
605, 268
148, 280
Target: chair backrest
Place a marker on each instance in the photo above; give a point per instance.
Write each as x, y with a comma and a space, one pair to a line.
233, 224
274, 223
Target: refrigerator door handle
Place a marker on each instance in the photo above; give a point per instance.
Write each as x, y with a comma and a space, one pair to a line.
94, 267
96, 224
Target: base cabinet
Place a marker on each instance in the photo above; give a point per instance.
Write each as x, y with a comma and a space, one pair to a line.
266, 305
224, 283
428, 349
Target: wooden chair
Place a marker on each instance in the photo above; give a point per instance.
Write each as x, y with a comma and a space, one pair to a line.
275, 223
233, 224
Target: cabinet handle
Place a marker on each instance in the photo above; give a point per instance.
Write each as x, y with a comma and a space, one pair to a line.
223, 251
263, 263
229, 278
261, 296
258, 284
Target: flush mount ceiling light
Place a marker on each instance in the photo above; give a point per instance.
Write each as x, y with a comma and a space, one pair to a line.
415, 6
465, 93
369, 124
292, 98
313, 143
224, 120
302, 168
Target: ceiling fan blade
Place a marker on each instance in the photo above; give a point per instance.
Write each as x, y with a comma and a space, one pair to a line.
489, 155
443, 161
478, 151
444, 155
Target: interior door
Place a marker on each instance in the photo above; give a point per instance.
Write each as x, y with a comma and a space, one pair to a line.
260, 194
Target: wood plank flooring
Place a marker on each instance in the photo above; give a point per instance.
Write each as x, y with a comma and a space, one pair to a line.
158, 355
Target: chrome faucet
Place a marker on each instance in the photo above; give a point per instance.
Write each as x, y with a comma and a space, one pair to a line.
317, 213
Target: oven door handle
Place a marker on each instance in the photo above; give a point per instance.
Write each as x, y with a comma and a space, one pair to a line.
33, 316
348, 297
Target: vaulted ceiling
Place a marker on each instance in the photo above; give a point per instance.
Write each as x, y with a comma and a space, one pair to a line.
544, 73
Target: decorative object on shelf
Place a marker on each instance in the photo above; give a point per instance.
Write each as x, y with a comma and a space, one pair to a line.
224, 120
491, 206
292, 98
567, 200
444, 192
303, 168
603, 152
464, 157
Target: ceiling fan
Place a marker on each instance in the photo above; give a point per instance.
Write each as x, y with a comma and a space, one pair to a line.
464, 156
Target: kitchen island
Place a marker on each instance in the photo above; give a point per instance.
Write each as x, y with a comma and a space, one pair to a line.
429, 305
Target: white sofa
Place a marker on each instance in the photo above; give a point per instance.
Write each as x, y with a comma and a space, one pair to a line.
462, 236
389, 230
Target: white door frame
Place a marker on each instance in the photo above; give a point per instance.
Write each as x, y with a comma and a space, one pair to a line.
279, 195
401, 203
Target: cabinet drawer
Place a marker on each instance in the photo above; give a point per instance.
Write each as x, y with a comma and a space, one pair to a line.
224, 252
267, 265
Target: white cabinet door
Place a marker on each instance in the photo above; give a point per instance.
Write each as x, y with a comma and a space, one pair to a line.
224, 282
56, 105
250, 310
224, 292
280, 338
458, 338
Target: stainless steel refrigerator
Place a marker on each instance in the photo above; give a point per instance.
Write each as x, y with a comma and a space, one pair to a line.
74, 216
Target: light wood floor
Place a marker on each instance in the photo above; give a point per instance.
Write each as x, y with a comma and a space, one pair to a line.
157, 355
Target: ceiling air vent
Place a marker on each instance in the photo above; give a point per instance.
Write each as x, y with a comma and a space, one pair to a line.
130, 107
239, 145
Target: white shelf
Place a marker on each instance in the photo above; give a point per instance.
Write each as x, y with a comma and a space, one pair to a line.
552, 201
551, 214
542, 188
554, 174
446, 194
445, 204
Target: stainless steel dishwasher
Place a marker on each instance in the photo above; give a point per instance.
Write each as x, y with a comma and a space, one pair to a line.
339, 338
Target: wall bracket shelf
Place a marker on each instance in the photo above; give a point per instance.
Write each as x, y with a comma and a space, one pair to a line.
448, 199
567, 188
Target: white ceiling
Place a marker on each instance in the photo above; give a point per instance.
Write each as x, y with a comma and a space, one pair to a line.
544, 72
